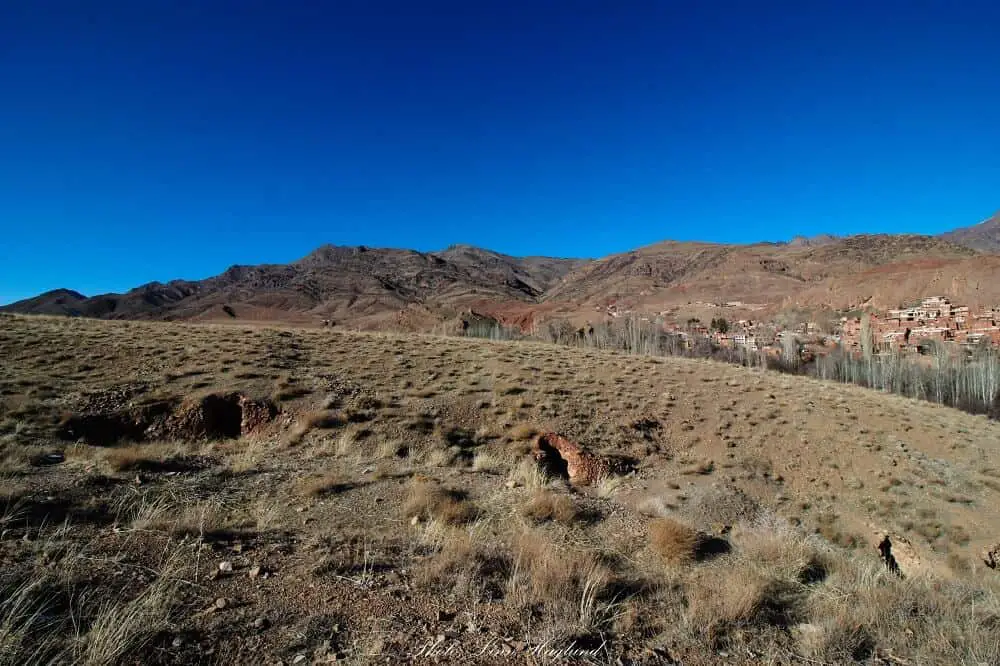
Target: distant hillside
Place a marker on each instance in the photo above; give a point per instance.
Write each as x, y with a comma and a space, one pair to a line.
823, 274
984, 236
356, 284
405, 289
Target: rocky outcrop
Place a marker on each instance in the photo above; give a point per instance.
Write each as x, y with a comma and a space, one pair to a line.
213, 416
255, 414
897, 552
561, 457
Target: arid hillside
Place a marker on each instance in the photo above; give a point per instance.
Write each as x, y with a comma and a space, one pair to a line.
174, 493
984, 236
837, 273
362, 286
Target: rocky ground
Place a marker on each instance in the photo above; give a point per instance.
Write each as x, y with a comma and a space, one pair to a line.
175, 494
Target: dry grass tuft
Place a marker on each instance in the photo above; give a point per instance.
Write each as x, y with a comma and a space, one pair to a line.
324, 484
674, 541
573, 591
139, 457
123, 628
546, 505
528, 474
723, 598
465, 564
427, 500
322, 419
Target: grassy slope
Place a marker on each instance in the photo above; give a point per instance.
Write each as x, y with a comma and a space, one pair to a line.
393, 502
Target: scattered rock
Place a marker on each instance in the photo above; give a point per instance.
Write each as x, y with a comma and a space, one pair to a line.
261, 623
298, 659
226, 567
221, 603
255, 571
415, 520
511, 483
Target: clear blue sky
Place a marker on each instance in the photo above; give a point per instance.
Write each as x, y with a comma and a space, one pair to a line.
151, 139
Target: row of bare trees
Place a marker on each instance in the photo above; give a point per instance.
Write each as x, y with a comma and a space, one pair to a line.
949, 375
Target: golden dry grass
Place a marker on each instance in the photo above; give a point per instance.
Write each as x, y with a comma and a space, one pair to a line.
547, 505
497, 548
672, 540
427, 500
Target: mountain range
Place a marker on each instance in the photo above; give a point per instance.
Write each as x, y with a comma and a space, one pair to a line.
375, 288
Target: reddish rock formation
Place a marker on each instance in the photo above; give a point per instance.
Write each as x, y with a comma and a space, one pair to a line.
563, 457
255, 414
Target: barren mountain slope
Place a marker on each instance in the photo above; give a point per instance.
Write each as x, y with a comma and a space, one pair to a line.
405, 289
674, 273
352, 283
984, 236
368, 497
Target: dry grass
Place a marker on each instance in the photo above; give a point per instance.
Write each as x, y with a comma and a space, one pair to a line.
490, 461
323, 484
574, 590
324, 419
142, 457
465, 564
721, 599
674, 541
524, 561
25, 621
427, 500
546, 505
121, 629
703, 467
523, 431
527, 473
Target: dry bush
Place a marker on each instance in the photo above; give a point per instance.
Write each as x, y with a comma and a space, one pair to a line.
772, 542
575, 592
16, 457
607, 485
674, 541
528, 474
546, 505
427, 500
732, 596
862, 608
349, 438
703, 467
324, 419
465, 564
440, 457
487, 460
185, 519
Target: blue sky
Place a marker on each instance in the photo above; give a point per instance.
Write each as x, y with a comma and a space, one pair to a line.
159, 139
